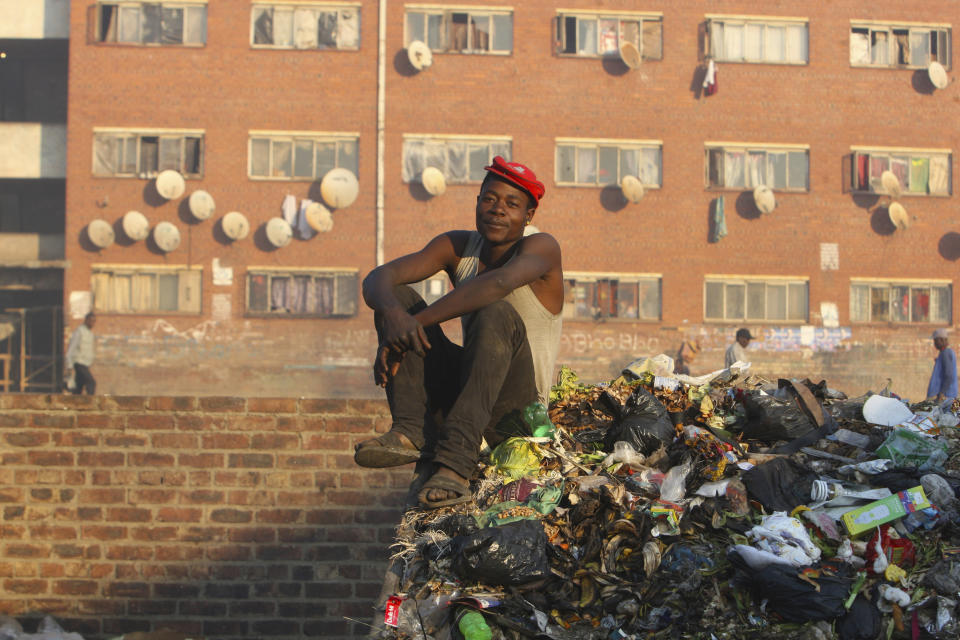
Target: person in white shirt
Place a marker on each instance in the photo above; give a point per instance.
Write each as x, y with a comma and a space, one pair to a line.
738, 350
80, 356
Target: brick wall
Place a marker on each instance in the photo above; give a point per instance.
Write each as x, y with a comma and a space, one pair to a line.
224, 517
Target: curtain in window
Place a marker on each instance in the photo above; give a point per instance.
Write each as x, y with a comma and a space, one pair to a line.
900, 167
278, 293
879, 303
457, 165
128, 29
940, 304
458, 32
878, 164
587, 166
105, 155
880, 53
650, 166
149, 157
919, 47
413, 160
120, 293
900, 304
170, 154
347, 155
652, 40
901, 47
939, 175
775, 44
151, 23
437, 36
566, 164
100, 287
297, 294
756, 170
587, 37
283, 28
480, 32
258, 293
630, 32
919, 174
479, 157
323, 292
609, 36
108, 23
348, 29
649, 293
259, 157
859, 47
920, 304
733, 162
629, 166
196, 25
716, 39
501, 149
733, 41
753, 42
796, 43
859, 303
327, 29
171, 25
863, 166
304, 28
142, 291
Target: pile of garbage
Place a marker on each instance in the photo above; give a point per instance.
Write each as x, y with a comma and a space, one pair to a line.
666, 506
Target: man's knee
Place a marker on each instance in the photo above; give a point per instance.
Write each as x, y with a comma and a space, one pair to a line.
499, 316
408, 299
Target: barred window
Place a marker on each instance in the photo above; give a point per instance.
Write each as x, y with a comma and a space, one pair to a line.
904, 45
152, 23
314, 293
276, 25
474, 30
300, 156
901, 302
144, 154
597, 296
920, 172
747, 166
771, 40
760, 299
460, 158
146, 289
601, 34
599, 162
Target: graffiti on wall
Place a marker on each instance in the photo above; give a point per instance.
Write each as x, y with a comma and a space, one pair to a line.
805, 338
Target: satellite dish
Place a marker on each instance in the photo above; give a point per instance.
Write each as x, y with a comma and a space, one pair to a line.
433, 181
529, 230
279, 232
135, 225
764, 199
170, 184
891, 184
339, 188
201, 204
167, 236
100, 233
898, 216
420, 55
630, 55
938, 75
632, 188
318, 217
235, 225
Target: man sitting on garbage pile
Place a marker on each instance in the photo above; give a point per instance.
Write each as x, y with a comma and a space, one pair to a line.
737, 352
508, 293
943, 380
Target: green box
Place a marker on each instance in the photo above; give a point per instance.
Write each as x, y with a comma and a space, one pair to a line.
886, 510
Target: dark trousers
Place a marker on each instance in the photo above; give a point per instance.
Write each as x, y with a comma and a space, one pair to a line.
83, 379
449, 399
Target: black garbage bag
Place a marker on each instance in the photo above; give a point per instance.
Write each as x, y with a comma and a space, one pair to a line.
861, 622
509, 555
851, 409
642, 421
795, 600
779, 485
769, 418
897, 479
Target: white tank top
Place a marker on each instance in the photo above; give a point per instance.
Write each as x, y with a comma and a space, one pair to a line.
543, 327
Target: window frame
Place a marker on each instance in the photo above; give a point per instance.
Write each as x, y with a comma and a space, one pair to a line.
125, 134
424, 287
326, 7
890, 27
748, 148
890, 284
569, 311
292, 137
446, 12
766, 22
852, 182
155, 270
640, 17
99, 37
606, 143
745, 281
336, 273
446, 140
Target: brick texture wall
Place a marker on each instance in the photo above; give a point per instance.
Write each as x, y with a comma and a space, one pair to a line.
225, 517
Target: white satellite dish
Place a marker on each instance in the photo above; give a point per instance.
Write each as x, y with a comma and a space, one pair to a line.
764, 199
433, 181
938, 75
632, 188
279, 232
170, 184
235, 225
167, 236
318, 217
339, 188
100, 233
898, 216
420, 55
201, 204
630, 55
135, 225
891, 184
529, 230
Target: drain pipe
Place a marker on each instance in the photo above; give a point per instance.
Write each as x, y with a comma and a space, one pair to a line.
381, 119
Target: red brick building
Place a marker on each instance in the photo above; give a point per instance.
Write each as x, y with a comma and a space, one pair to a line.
252, 102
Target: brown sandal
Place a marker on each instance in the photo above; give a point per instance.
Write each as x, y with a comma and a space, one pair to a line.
387, 450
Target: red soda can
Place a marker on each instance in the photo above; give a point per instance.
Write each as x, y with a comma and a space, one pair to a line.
391, 613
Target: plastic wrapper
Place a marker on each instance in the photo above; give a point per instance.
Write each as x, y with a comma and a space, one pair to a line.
516, 457
908, 448
674, 485
786, 538
513, 554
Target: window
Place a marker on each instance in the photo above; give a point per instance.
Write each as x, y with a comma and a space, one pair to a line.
771, 40
305, 26
904, 45
605, 296
314, 293
473, 30
900, 301
160, 23
768, 299
593, 35
433, 288
301, 156
146, 289
144, 154
920, 172
599, 162
460, 158
735, 166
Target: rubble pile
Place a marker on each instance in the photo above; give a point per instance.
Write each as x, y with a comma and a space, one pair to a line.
726, 506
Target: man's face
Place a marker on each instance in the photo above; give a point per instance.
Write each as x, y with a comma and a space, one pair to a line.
502, 212
90, 321
940, 343
743, 342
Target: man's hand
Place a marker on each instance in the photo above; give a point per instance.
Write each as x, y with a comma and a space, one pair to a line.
386, 364
402, 332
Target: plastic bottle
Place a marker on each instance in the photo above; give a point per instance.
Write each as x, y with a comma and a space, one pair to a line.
473, 626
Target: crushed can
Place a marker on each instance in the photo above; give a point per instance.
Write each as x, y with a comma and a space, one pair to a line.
391, 614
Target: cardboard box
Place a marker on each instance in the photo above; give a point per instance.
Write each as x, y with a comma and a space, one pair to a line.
886, 510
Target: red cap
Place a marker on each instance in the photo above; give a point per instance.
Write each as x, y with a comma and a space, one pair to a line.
519, 175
